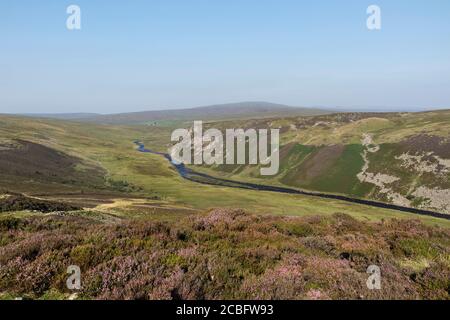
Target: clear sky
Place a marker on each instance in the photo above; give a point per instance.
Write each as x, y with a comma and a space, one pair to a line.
154, 54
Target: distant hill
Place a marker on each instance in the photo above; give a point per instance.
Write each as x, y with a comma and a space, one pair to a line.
241, 110
61, 116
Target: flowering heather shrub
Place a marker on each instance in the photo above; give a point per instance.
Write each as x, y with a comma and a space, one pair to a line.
343, 223
124, 277
285, 281
10, 272
35, 245
434, 281
11, 223
19, 202
325, 244
39, 275
166, 287
187, 253
224, 254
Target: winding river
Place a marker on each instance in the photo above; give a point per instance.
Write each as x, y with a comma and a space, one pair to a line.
203, 178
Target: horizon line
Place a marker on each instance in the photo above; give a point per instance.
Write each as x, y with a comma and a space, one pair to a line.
383, 109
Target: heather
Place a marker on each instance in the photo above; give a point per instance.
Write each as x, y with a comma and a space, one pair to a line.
222, 254
17, 202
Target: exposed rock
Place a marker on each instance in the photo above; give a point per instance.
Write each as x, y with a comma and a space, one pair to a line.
439, 199
380, 180
424, 162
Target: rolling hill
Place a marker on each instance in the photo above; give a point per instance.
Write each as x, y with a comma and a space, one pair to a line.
400, 158
61, 116
241, 110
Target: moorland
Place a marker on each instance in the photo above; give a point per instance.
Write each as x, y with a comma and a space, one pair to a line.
78, 192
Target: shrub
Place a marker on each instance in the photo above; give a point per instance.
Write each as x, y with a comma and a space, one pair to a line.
225, 254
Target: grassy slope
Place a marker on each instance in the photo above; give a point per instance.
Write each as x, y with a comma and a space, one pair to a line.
311, 136
112, 148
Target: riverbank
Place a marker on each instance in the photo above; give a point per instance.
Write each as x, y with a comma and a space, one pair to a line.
191, 175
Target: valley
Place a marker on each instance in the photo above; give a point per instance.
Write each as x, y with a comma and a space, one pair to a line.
125, 208
394, 158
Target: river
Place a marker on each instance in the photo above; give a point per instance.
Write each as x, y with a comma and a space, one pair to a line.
203, 178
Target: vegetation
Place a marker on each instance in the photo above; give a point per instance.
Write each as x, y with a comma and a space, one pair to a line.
223, 254
80, 193
112, 151
326, 153
19, 202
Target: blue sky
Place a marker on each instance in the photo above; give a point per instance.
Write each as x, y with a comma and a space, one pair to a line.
142, 55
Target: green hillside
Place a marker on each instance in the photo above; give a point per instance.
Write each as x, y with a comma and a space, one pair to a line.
400, 158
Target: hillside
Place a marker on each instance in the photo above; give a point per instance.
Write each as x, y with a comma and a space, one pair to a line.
242, 110
61, 116
400, 158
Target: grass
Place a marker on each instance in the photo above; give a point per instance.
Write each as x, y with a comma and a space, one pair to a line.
310, 136
341, 177
151, 234
112, 148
